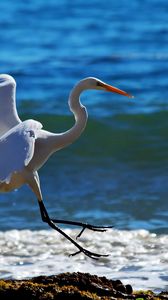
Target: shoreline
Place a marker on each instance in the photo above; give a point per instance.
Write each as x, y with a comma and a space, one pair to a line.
74, 285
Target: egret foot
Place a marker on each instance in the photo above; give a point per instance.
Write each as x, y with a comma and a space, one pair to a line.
51, 222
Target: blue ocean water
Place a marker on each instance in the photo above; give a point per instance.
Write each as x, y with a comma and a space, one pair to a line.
117, 172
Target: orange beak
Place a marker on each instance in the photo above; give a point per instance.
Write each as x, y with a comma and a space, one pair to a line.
113, 89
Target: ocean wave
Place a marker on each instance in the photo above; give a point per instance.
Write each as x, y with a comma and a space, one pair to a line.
124, 137
137, 257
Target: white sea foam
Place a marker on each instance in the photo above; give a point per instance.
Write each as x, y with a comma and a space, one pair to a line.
136, 257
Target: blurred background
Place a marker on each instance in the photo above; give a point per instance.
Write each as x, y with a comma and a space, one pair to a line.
117, 172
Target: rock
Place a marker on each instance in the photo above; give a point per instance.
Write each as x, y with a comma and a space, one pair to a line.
74, 286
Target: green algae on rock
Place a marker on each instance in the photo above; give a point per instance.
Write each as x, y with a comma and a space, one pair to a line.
71, 286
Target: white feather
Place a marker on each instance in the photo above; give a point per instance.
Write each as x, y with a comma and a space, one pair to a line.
22, 139
8, 113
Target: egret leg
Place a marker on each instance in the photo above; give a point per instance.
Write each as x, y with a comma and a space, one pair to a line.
34, 184
50, 222
83, 225
76, 223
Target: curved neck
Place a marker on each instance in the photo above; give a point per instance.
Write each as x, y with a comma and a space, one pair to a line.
56, 141
61, 140
80, 113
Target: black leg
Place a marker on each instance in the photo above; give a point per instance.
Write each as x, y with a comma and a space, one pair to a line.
83, 225
75, 223
50, 222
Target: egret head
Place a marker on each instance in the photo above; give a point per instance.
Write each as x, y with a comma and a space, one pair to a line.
96, 84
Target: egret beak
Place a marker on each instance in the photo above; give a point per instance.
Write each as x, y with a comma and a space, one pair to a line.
113, 89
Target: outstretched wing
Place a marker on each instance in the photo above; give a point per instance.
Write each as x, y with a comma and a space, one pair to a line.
8, 113
17, 148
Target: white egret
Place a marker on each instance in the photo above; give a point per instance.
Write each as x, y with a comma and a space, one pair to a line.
25, 147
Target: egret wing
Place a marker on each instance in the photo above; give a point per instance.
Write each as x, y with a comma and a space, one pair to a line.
8, 112
17, 148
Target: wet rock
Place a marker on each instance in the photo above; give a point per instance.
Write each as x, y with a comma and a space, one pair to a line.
71, 286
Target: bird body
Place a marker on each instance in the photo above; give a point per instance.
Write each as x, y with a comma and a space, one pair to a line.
25, 146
